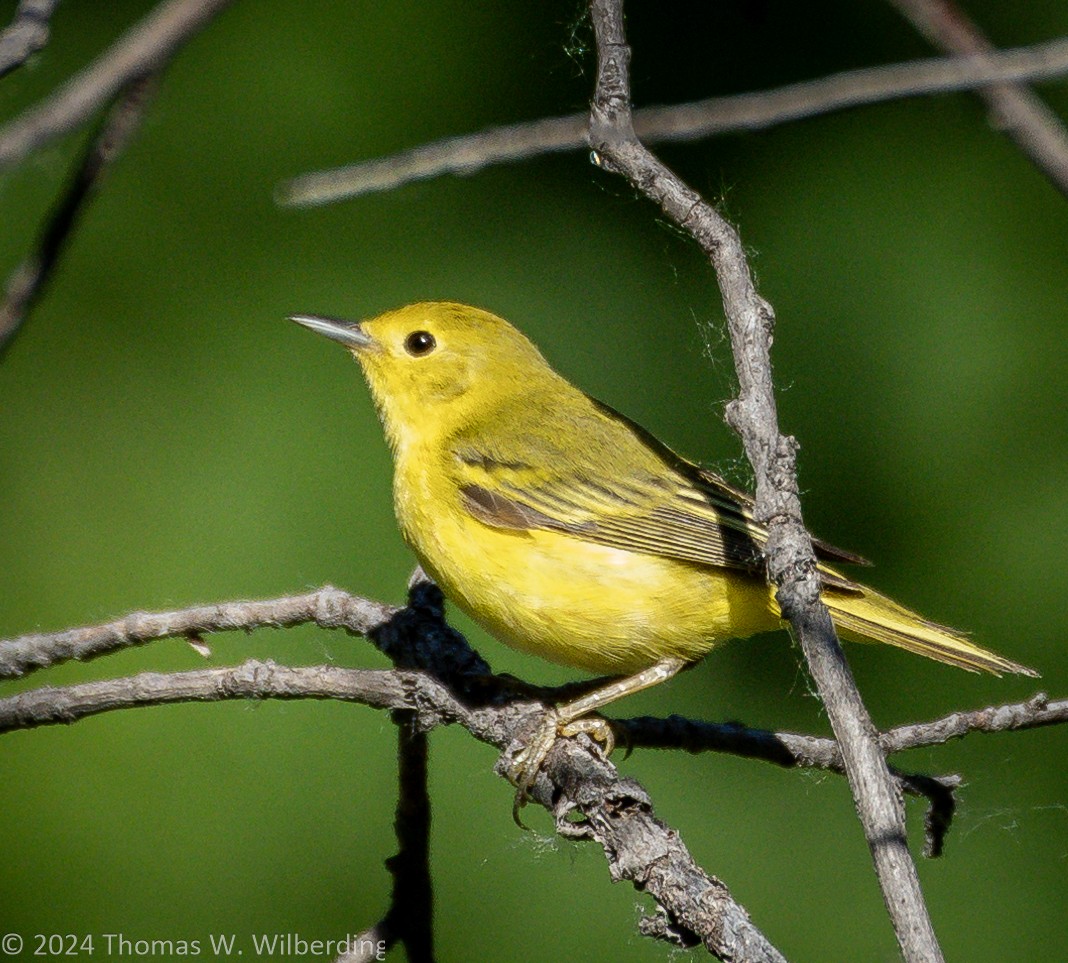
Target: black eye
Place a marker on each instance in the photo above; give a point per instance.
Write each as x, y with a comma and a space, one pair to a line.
419, 342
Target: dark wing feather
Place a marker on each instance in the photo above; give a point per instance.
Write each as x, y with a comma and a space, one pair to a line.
652, 502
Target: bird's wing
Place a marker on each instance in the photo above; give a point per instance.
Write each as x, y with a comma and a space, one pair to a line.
625, 490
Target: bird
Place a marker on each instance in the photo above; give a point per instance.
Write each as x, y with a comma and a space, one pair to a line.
570, 532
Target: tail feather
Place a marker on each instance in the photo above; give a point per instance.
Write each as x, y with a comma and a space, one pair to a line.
868, 616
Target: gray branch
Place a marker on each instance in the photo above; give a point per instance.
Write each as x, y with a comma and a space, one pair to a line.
27, 33
790, 557
144, 48
441, 680
796, 749
1014, 109
327, 607
575, 784
681, 122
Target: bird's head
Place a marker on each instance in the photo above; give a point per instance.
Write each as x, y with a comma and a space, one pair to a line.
437, 361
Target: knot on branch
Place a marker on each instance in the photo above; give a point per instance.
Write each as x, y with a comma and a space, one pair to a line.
782, 471
662, 926
612, 95
253, 678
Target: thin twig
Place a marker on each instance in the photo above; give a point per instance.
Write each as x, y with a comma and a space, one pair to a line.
141, 50
409, 637
52, 705
27, 33
817, 752
1034, 128
703, 118
1035, 713
790, 557
327, 607
28, 281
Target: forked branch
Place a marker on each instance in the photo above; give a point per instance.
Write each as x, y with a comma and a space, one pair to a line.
440, 680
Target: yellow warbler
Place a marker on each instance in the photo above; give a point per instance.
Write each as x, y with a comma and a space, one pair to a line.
567, 530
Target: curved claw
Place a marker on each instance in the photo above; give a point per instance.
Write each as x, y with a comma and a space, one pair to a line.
597, 728
573, 718
528, 761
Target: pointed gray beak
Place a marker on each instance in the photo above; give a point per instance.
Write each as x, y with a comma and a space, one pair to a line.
348, 333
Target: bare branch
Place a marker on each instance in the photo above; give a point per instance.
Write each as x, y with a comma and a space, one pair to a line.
1035, 713
795, 749
332, 608
50, 705
789, 749
453, 155
28, 281
682, 122
495, 710
27, 33
790, 557
141, 50
47, 706
327, 607
1034, 128
575, 783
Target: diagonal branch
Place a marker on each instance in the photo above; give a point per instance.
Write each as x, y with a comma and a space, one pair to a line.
1034, 128
715, 115
27, 283
27, 33
790, 557
141, 50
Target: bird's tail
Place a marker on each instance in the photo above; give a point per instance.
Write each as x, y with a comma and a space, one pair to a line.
867, 616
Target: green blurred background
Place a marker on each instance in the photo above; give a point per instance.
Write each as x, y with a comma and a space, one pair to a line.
166, 438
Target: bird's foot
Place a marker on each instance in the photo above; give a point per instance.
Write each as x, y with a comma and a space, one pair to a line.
527, 763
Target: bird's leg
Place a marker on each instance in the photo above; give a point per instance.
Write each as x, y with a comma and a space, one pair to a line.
573, 717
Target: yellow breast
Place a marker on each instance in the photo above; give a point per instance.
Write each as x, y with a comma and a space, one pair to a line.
589, 606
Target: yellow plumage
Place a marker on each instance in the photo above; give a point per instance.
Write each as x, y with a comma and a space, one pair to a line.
568, 531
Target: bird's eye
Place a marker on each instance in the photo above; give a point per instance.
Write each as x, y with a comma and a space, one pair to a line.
419, 342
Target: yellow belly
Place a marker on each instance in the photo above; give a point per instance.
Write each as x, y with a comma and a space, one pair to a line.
601, 609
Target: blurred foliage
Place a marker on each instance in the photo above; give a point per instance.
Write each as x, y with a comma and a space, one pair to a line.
166, 438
